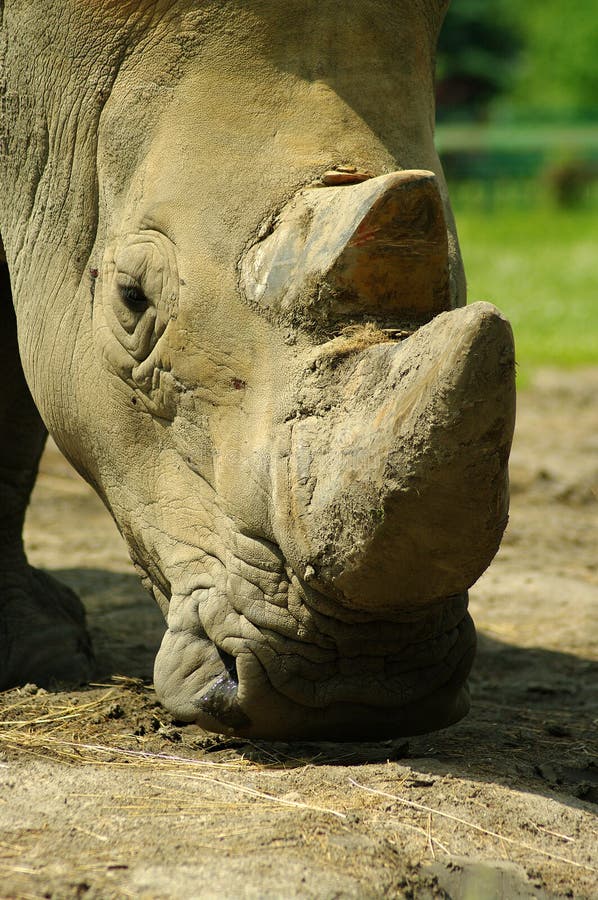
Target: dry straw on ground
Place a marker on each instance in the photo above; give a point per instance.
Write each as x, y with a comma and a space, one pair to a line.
50, 727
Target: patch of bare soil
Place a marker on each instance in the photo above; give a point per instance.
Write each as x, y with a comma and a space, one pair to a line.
102, 795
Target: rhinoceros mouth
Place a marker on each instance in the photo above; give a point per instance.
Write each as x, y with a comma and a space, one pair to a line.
220, 702
373, 678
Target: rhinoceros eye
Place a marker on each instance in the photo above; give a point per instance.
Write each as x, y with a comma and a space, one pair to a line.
137, 297
133, 298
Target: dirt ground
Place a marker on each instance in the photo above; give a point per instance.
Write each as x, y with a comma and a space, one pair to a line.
103, 796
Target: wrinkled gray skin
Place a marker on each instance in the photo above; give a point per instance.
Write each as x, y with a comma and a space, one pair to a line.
307, 502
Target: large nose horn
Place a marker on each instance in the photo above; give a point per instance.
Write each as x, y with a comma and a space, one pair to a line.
372, 250
394, 495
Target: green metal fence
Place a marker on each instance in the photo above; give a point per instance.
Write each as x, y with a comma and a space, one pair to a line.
492, 166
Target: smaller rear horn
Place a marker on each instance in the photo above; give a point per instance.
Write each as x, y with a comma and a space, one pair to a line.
376, 250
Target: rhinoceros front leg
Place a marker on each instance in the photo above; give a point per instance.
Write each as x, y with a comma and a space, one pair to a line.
42, 622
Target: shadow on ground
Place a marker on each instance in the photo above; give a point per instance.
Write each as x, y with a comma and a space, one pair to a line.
531, 724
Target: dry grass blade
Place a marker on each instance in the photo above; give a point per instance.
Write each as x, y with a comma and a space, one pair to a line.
80, 752
18, 870
169, 764
53, 717
142, 756
93, 834
501, 837
262, 795
556, 834
429, 836
425, 833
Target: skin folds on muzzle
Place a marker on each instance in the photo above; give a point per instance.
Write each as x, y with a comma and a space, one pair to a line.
239, 309
356, 624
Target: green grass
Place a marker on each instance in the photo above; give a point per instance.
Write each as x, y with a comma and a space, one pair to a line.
540, 267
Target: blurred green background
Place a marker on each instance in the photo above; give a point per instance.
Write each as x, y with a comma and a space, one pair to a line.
517, 112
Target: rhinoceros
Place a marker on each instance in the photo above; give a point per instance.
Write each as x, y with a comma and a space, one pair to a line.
238, 306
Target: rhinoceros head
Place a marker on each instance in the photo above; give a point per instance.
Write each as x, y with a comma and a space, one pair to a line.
300, 430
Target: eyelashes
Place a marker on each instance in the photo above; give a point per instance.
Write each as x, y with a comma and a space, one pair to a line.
133, 298
131, 307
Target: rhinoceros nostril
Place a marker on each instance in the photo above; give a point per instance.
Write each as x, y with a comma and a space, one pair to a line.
230, 664
220, 700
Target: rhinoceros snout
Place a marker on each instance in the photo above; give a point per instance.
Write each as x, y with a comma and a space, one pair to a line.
345, 680
340, 610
